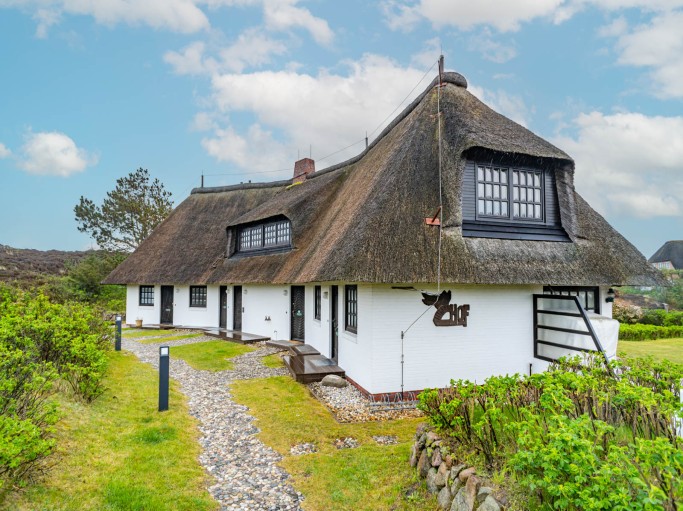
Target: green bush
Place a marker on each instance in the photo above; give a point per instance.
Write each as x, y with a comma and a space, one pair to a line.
626, 314
648, 332
576, 436
653, 317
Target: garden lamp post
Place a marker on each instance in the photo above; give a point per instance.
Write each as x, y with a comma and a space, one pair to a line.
117, 341
164, 357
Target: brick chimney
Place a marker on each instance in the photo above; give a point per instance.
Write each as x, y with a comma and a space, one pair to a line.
302, 168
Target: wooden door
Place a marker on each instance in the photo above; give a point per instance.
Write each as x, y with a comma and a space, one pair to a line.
166, 305
334, 323
223, 311
237, 308
298, 313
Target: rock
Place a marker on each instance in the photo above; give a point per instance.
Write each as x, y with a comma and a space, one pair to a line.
465, 474
456, 470
421, 430
460, 502
448, 460
472, 489
414, 455
489, 504
431, 438
332, 380
484, 492
433, 480
423, 465
445, 498
422, 441
455, 487
436, 458
442, 476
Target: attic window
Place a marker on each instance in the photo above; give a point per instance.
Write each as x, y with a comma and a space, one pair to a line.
500, 187
264, 236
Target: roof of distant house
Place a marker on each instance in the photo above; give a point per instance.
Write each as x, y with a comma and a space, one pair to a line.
671, 251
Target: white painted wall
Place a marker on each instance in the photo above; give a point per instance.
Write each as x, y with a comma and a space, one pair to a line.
261, 302
185, 315
148, 314
355, 350
318, 330
498, 338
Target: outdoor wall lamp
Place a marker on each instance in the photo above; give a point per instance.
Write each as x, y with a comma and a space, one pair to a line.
610, 295
284, 292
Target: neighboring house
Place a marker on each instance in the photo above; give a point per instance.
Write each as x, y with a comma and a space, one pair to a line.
669, 256
338, 258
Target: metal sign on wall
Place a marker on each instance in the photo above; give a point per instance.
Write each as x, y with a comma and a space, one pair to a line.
447, 313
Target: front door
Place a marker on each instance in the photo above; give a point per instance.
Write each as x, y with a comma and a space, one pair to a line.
237, 308
223, 311
334, 323
166, 305
298, 309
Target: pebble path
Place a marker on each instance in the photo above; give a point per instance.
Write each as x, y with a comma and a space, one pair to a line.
245, 470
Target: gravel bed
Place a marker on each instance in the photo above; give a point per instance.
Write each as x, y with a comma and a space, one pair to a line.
307, 448
346, 443
245, 471
348, 405
385, 439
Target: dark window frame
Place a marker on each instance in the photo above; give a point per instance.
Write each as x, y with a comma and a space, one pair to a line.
146, 296
351, 308
512, 186
317, 293
198, 296
271, 235
581, 291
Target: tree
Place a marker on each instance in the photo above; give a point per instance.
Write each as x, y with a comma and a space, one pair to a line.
128, 214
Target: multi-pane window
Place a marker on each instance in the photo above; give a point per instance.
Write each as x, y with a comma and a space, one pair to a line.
266, 235
197, 296
146, 295
589, 297
318, 301
492, 191
351, 308
506, 193
527, 194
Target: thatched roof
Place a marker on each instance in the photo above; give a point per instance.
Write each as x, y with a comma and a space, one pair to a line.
670, 251
363, 220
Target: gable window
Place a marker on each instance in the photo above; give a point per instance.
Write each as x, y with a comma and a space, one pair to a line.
263, 236
318, 300
146, 295
197, 296
500, 187
589, 297
351, 308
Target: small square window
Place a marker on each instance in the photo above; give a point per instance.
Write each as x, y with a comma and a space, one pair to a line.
146, 295
197, 296
318, 305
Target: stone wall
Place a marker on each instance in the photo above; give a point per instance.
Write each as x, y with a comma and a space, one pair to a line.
458, 486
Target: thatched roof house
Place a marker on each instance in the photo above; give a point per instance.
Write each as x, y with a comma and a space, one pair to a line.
669, 256
363, 220
330, 257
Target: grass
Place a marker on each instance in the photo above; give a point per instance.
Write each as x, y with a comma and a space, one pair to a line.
156, 340
671, 349
370, 477
211, 355
274, 361
133, 333
120, 454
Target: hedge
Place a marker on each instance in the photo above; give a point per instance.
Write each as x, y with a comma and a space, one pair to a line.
640, 332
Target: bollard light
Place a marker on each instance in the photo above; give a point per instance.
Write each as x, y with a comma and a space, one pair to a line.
164, 359
117, 340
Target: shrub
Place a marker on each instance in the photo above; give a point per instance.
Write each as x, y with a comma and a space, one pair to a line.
653, 317
648, 332
626, 313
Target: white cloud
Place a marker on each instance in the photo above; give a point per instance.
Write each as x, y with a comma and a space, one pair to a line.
428, 55
504, 15
509, 105
284, 14
628, 163
495, 51
294, 110
658, 46
190, 60
4, 151
53, 153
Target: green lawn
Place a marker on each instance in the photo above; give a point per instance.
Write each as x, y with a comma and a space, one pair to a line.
120, 453
211, 355
274, 361
671, 349
370, 477
133, 333
158, 340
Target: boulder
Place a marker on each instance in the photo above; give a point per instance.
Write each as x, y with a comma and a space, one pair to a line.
436, 458
423, 464
414, 455
433, 481
472, 489
484, 492
431, 438
460, 502
456, 470
465, 474
442, 476
445, 498
489, 504
455, 487
332, 380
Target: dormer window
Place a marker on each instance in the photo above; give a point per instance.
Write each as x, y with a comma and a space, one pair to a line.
500, 187
264, 236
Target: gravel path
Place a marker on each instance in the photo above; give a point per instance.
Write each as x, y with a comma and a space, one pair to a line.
245, 470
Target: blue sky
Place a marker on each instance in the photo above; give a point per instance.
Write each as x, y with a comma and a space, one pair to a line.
237, 89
